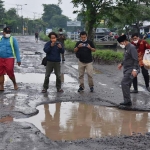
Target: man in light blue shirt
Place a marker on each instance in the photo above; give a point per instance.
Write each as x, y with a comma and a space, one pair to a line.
9, 50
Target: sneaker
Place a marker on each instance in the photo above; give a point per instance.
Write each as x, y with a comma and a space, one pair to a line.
60, 90
148, 89
126, 103
44, 91
134, 91
80, 89
91, 89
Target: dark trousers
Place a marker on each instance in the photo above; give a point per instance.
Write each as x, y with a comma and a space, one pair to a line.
49, 69
126, 84
146, 78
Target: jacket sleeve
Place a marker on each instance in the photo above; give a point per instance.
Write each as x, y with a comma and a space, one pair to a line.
134, 55
147, 46
16, 49
47, 48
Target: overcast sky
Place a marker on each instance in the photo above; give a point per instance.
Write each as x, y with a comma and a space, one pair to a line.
36, 7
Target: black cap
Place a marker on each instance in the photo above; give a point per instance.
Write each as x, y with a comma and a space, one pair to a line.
7, 30
122, 38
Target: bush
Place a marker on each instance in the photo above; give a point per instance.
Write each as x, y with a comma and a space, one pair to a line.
43, 36
107, 56
69, 45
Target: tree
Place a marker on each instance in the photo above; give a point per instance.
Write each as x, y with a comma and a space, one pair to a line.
49, 11
2, 12
59, 21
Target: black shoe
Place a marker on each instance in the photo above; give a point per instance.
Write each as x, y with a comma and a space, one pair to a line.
91, 89
126, 103
80, 89
134, 91
148, 89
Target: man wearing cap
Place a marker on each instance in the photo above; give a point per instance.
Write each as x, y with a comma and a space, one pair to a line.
9, 50
131, 68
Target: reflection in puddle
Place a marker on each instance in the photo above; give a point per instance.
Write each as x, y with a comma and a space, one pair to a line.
71, 121
39, 78
95, 71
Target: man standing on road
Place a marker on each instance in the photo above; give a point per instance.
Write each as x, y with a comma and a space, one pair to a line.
53, 49
62, 38
9, 50
36, 36
83, 50
131, 67
141, 46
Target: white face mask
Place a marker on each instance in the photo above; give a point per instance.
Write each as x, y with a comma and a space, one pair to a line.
122, 46
135, 41
60, 32
7, 35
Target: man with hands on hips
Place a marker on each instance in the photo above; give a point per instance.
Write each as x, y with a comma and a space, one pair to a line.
83, 50
131, 68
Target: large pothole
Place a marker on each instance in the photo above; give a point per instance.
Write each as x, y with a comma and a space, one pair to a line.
71, 121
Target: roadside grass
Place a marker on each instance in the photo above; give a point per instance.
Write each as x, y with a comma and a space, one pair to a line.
106, 56
43, 36
148, 40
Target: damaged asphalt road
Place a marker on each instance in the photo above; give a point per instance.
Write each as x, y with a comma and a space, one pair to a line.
23, 102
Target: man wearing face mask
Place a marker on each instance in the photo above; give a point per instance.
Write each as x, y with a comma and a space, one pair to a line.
83, 50
62, 38
141, 46
9, 50
131, 67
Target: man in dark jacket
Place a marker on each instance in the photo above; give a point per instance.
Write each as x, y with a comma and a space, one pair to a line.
53, 49
131, 68
83, 50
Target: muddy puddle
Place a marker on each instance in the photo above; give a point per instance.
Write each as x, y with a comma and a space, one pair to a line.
39, 78
95, 71
71, 121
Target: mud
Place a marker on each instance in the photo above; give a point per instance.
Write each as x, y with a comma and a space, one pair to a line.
23, 102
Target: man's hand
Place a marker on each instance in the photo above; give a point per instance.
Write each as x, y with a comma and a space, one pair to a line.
80, 45
19, 63
59, 46
53, 43
134, 73
119, 66
88, 46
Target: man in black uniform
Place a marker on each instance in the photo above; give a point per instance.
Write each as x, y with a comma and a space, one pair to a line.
83, 50
131, 68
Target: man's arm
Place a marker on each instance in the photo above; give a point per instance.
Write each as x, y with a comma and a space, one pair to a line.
16, 49
134, 55
147, 46
76, 47
47, 47
91, 47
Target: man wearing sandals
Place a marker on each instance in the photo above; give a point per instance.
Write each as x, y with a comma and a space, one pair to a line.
9, 50
53, 49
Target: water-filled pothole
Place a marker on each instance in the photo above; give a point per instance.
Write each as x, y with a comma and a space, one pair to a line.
95, 71
39, 78
71, 121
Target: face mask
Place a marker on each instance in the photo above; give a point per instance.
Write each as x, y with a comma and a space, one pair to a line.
60, 33
7, 35
135, 41
122, 46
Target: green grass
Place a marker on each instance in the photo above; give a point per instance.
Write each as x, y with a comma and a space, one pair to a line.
43, 37
69, 45
148, 40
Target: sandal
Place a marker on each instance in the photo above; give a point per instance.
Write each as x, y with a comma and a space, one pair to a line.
44, 91
60, 90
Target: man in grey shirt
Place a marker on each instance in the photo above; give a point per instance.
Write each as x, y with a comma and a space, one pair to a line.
131, 68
